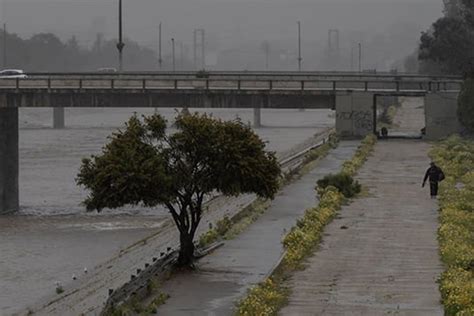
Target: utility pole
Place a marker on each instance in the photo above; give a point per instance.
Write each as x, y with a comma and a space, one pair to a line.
299, 46
120, 44
203, 49
181, 55
173, 53
4, 45
160, 59
194, 49
360, 57
352, 57
202, 45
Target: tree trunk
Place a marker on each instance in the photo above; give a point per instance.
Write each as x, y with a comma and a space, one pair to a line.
186, 251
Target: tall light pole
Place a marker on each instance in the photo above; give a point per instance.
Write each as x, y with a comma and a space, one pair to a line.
299, 46
181, 55
160, 59
352, 57
120, 44
173, 52
360, 57
202, 45
4, 45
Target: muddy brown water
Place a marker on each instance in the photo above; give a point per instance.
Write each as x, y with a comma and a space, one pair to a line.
52, 237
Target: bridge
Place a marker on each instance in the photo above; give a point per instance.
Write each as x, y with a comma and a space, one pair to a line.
353, 95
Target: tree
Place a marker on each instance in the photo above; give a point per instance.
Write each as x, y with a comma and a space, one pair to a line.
143, 165
448, 45
466, 105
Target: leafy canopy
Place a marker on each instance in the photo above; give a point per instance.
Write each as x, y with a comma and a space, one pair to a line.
144, 165
466, 104
448, 44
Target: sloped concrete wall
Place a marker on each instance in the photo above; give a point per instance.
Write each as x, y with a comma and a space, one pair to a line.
354, 114
441, 115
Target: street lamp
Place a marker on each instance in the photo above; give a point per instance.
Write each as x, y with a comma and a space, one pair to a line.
173, 52
120, 44
160, 59
299, 46
4, 45
360, 57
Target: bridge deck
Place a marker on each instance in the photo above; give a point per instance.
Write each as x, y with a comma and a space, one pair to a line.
233, 89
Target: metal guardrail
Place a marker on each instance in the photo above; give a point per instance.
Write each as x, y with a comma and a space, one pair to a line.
243, 74
117, 83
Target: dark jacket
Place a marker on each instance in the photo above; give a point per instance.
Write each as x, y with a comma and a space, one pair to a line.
433, 173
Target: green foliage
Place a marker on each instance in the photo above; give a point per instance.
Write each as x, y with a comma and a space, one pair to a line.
59, 290
144, 165
466, 104
46, 52
263, 300
343, 182
456, 232
350, 167
455, 30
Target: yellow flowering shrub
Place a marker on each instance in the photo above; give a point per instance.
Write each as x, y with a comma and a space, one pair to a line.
456, 231
263, 300
350, 167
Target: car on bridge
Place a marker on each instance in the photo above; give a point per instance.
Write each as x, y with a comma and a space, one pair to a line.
12, 74
107, 70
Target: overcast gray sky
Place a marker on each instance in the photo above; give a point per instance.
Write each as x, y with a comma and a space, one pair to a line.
228, 23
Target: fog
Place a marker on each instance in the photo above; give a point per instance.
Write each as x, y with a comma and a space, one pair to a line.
235, 29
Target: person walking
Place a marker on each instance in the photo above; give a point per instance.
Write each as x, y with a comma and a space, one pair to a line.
435, 175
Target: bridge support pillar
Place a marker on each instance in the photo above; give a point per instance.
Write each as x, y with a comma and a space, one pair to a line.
9, 157
257, 117
441, 115
58, 118
355, 114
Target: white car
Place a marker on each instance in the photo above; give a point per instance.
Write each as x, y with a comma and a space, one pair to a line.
108, 70
12, 74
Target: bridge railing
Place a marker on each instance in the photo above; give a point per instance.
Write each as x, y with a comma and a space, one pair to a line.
137, 83
250, 75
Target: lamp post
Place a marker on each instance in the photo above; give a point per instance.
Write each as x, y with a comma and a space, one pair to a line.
120, 43
173, 52
4, 45
160, 59
360, 57
299, 46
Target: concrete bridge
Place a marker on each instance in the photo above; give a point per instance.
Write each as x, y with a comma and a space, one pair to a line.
353, 95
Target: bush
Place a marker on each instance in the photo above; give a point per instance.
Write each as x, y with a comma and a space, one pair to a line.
466, 105
456, 232
343, 182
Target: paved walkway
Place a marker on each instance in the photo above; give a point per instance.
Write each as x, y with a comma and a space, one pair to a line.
386, 261
225, 275
410, 118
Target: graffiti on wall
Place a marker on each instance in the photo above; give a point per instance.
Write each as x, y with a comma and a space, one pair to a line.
363, 120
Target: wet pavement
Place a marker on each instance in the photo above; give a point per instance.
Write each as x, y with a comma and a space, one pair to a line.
52, 237
224, 276
380, 256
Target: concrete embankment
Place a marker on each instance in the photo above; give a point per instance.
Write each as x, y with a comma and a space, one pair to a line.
380, 256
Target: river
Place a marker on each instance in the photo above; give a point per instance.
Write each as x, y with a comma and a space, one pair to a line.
52, 238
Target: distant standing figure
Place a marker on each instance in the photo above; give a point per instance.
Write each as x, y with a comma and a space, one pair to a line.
435, 175
384, 132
